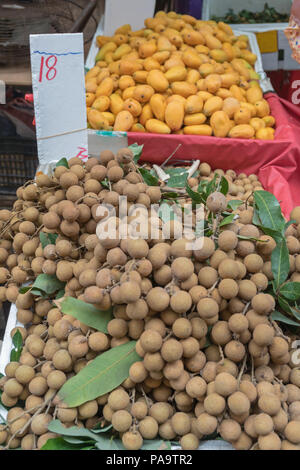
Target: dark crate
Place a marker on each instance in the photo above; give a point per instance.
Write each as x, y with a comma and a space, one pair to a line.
18, 163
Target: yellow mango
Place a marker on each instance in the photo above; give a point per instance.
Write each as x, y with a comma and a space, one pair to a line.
202, 129
230, 106
174, 115
223, 93
147, 49
133, 106
108, 47
124, 121
229, 50
128, 67
89, 98
269, 121
123, 29
173, 61
108, 58
241, 44
202, 49
206, 69
101, 40
240, 67
120, 39
193, 104
204, 95
212, 105
189, 19
143, 93
102, 103
218, 55
105, 87
175, 97
157, 80
262, 108
201, 84
114, 67
93, 72
249, 106
137, 127
213, 83
254, 94
109, 117
101, 64
128, 92
151, 64
163, 44
249, 56
184, 89
266, 133
121, 50
228, 79
104, 73
91, 85
161, 56
157, 127
257, 123
220, 123
177, 73
242, 131
191, 59
116, 103
97, 120
158, 106
212, 42
126, 81
242, 116
140, 76
223, 37
237, 93
146, 114
193, 38
225, 27
193, 76
194, 119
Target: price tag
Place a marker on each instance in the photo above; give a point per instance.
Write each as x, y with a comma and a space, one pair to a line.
57, 66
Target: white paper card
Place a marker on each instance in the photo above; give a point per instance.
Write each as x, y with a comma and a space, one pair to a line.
57, 66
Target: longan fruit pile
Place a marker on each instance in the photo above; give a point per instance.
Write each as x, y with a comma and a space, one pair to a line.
212, 358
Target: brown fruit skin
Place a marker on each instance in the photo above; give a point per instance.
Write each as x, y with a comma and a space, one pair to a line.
216, 202
292, 432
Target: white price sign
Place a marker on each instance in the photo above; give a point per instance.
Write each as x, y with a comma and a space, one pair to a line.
57, 66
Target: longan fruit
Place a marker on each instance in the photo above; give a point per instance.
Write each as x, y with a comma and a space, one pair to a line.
139, 410
206, 424
56, 379
137, 372
207, 276
235, 351
278, 347
148, 427
214, 404
269, 403
39, 424
263, 335
207, 308
244, 442
181, 423
8, 401
121, 420
228, 269
225, 384
182, 268
263, 304
66, 415
269, 441
12, 388
207, 249
220, 333
228, 288
173, 370
132, 440
227, 240
88, 409
10, 369
216, 202
62, 360
117, 328
24, 374
238, 403
151, 341
230, 430
171, 350
137, 249
263, 424
98, 341
292, 432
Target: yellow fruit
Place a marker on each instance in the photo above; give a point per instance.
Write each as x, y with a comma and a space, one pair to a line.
212, 42
161, 56
97, 120
146, 114
229, 79
102, 74
147, 49
102, 103
204, 95
158, 106
143, 93
89, 98
133, 106
140, 76
193, 38
174, 115
242, 131
223, 93
225, 27
151, 64
158, 127
137, 127
91, 85
163, 44
257, 123
229, 50
265, 134
203, 129
121, 50
108, 47
262, 108
105, 88
93, 72
206, 69
116, 103
269, 121
177, 73
218, 55
109, 117
220, 123
128, 67
248, 56
212, 105
157, 80
124, 121
184, 89
242, 116
213, 83
237, 93
192, 76
254, 94
250, 107
179, 98
191, 59
193, 104
128, 92
194, 119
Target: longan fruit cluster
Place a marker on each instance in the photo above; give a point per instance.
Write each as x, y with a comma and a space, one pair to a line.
212, 358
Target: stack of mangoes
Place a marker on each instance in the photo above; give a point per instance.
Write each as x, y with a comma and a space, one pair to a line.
177, 75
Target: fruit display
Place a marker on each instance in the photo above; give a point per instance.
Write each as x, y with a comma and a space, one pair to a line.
137, 342
267, 15
177, 75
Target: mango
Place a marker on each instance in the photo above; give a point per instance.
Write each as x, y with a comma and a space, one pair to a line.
262, 108
204, 95
254, 94
146, 114
104, 73
213, 82
108, 47
184, 89
212, 105
128, 67
124, 121
89, 98
250, 107
158, 106
194, 119
173, 61
193, 76
223, 93
143, 93
116, 103
266, 133
257, 123
126, 81
157, 80
128, 92
163, 44
193, 104
229, 79
140, 76
206, 69
202, 129
105, 87
175, 97
120, 39
230, 106
147, 49
102, 103
218, 55
212, 42
157, 127
174, 115
193, 38
226, 28
137, 127
220, 123
177, 73
109, 117
97, 120
237, 93
269, 121
133, 106
242, 131
242, 116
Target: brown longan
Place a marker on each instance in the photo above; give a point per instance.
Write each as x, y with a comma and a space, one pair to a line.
121, 420
181, 423
151, 341
132, 440
230, 430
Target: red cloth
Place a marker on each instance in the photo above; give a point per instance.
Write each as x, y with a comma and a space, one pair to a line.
276, 162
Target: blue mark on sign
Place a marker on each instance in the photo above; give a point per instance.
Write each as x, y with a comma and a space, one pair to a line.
57, 53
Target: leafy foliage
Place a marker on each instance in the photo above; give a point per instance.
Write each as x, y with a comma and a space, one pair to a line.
18, 346
87, 313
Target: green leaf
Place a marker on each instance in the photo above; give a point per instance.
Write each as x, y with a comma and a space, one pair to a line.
47, 238
295, 312
109, 442
253, 239
100, 376
284, 304
63, 162
227, 220
105, 183
290, 290
224, 186
280, 263
277, 316
178, 177
196, 197
74, 431
148, 178
166, 213
18, 346
87, 313
211, 186
137, 151
60, 294
234, 204
269, 210
58, 443
48, 283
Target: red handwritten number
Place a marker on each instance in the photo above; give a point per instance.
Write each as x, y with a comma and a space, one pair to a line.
51, 73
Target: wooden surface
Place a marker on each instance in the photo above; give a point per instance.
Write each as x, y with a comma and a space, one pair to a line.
16, 75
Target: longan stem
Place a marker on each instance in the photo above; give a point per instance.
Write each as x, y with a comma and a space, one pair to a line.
279, 331
242, 369
246, 308
221, 354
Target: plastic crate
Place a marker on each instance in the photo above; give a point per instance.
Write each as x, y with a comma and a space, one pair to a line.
18, 163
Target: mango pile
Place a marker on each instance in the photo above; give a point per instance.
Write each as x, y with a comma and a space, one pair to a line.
177, 75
